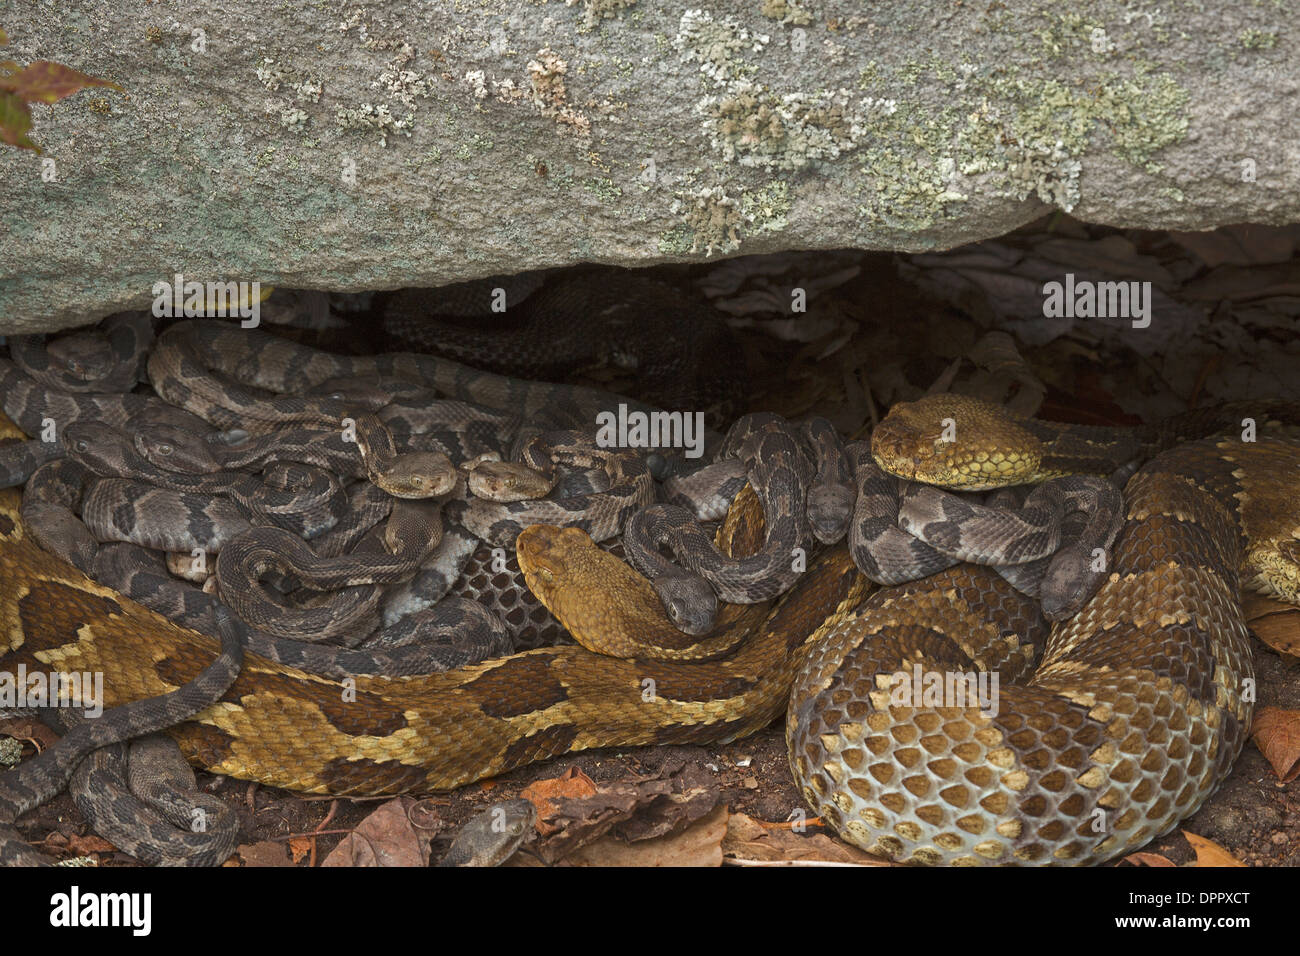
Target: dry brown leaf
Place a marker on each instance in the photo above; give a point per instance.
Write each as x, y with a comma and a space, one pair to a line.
300, 848
385, 838
1113, 255
543, 794
39, 82
1148, 859
1209, 853
1239, 244
657, 813
29, 730
1239, 283
1274, 623
634, 809
698, 845
265, 853
88, 844
750, 839
1277, 735
46, 82
1255, 606
15, 122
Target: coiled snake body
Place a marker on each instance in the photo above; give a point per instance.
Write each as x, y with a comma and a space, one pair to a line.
1134, 715
1140, 732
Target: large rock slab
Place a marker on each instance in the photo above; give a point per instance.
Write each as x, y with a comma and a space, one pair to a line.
371, 145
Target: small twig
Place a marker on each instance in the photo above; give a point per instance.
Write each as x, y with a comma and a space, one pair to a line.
318, 798
314, 833
334, 806
791, 824
422, 809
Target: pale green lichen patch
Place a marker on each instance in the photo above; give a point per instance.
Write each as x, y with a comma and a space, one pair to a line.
596, 10
270, 75
406, 85
793, 12
717, 45
676, 240
604, 189
368, 116
1028, 133
1141, 116
306, 89
712, 221
1254, 39
712, 218
901, 190
756, 127
292, 118
1074, 33
750, 124
766, 208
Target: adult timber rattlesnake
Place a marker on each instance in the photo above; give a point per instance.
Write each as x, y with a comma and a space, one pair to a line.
391, 735
1140, 703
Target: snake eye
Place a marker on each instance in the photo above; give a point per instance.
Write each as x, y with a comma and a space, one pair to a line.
82, 445
164, 449
417, 480
510, 482
546, 575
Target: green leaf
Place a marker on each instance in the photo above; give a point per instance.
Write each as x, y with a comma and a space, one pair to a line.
15, 121
46, 82
4, 38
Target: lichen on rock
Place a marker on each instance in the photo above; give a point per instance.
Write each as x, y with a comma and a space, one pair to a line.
714, 220
771, 122
551, 96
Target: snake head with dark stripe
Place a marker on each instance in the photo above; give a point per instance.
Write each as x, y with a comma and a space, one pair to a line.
955, 441
86, 356
558, 565
605, 604
419, 474
174, 448
508, 481
103, 449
